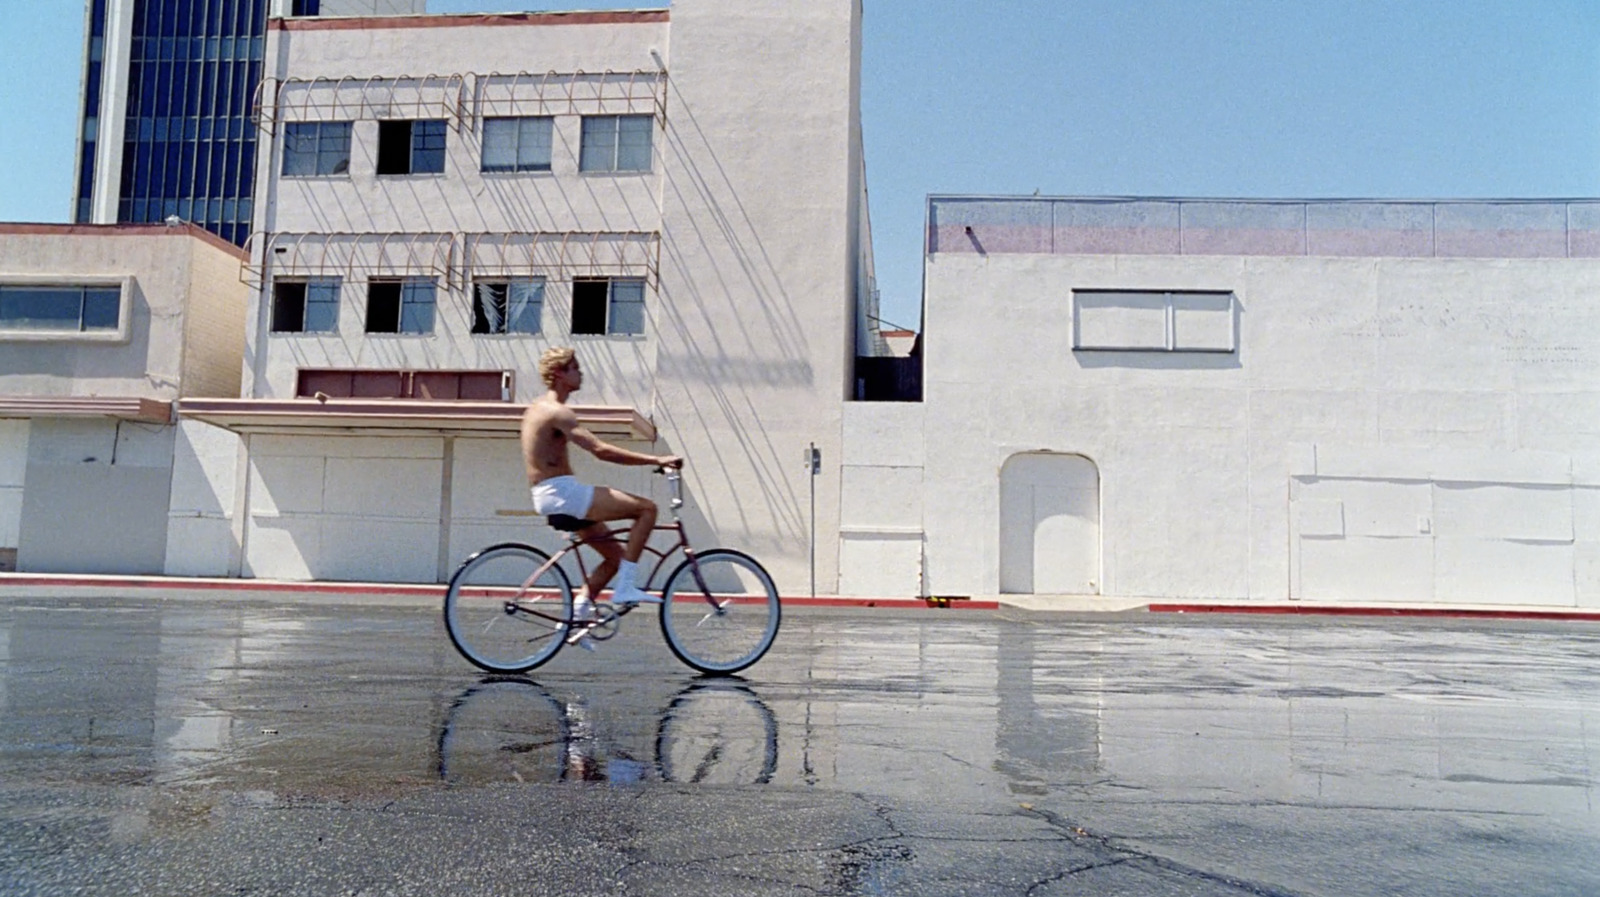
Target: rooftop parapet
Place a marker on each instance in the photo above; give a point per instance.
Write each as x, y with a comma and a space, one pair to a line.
1555, 228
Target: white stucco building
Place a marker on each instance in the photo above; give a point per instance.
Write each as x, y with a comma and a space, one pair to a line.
678, 193
102, 328
1321, 401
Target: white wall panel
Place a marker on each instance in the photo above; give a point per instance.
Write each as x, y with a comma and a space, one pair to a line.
1320, 518
10, 515
383, 487
198, 546
1492, 511
205, 463
1504, 572
1586, 573
1366, 569
13, 452
1376, 507
283, 548
286, 484
13, 471
880, 566
488, 477
369, 550
881, 496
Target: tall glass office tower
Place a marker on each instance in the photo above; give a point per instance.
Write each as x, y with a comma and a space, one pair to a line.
167, 102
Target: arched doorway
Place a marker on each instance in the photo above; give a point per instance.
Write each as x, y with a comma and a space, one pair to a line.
1049, 525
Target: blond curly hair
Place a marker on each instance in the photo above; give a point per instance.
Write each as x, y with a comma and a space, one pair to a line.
553, 362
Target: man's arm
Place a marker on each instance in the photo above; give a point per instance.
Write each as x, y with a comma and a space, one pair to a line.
605, 451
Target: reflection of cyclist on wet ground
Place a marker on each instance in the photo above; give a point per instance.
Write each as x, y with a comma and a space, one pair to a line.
711, 732
548, 428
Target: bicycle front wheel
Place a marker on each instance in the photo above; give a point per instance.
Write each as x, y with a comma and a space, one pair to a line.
505, 615
720, 611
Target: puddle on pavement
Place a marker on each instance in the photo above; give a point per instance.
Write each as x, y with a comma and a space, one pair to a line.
294, 704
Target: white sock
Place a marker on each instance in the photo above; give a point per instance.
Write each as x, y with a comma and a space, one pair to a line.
624, 579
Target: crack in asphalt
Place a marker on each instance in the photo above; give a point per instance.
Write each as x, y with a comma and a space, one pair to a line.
1081, 835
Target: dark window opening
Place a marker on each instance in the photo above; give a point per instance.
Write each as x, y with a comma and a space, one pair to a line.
411, 147
589, 306
305, 306
288, 307
383, 306
400, 306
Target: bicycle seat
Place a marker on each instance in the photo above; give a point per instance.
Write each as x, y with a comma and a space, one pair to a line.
567, 523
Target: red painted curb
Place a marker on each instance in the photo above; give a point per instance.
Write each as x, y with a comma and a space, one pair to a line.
415, 589
1314, 610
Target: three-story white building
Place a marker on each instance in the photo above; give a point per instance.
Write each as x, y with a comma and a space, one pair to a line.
677, 193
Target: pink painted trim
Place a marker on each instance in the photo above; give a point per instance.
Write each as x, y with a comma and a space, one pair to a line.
1338, 611
372, 23
119, 230
60, 580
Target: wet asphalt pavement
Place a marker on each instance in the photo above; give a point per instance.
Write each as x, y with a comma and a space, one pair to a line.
225, 748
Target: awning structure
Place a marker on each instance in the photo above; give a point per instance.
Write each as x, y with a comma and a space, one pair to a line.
398, 417
145, 411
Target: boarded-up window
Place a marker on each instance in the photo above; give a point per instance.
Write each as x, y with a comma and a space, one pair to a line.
1154, 321
470, 386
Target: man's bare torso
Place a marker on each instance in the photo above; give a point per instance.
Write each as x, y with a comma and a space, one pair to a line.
547, 428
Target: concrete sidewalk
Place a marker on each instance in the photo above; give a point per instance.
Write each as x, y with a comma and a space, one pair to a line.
67, 585
70, 585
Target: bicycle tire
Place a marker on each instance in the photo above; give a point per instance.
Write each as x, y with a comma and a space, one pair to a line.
494, 622
717, 732
731, 622
504, 729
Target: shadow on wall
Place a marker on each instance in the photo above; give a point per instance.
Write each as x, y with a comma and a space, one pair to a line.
736, 345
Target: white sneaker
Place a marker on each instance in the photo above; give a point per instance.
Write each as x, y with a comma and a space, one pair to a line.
627, 597
583, 616
583, 608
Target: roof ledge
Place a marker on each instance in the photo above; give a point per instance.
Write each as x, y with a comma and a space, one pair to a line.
398, 417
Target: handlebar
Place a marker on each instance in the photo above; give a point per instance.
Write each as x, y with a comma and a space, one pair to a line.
674, 477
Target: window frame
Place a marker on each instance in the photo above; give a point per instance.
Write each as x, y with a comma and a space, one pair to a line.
1170, 305
119, 334
337, 284
507, 283
317, 153
610, 307
614, 150
516, 166
385, 155
405, 285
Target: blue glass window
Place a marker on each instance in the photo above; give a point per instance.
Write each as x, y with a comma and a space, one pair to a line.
65, 309
616, 143
517, 144
316, 148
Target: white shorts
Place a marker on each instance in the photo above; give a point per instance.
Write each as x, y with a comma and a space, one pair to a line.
562, 495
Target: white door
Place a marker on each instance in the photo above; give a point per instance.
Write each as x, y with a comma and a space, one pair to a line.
1049, 525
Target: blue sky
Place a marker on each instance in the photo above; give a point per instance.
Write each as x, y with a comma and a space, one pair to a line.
1244, 98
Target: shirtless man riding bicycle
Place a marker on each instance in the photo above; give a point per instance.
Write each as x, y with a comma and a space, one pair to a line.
548, 428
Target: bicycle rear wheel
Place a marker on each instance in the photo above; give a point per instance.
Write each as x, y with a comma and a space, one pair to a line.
720, 611
499, 616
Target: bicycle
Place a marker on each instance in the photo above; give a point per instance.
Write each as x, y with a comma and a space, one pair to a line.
508, 608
